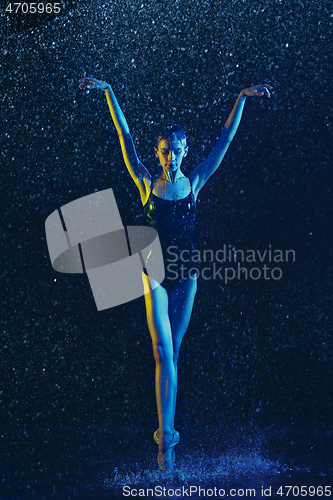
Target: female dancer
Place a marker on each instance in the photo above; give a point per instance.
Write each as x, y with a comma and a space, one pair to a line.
169, 206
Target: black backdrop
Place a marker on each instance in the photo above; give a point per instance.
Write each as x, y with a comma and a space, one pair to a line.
255, 351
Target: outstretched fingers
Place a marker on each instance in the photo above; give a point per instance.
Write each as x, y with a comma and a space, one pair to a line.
88, 83
93, 83
261, 89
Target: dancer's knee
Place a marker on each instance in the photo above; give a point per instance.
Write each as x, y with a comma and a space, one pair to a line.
161, 354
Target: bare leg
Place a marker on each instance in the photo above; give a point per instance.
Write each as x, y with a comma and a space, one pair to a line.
168, 318
181, 301
157, 307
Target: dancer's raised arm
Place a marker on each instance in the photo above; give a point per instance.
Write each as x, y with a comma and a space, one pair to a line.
204, 170
137, 170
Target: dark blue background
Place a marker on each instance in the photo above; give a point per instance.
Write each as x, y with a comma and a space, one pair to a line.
255, 351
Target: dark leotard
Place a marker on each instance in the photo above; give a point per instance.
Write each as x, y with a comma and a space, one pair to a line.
174, 222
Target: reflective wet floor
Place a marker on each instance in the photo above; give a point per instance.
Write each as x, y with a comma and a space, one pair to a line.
104, 462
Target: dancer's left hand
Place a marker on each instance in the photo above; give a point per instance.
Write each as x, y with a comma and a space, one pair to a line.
257, 90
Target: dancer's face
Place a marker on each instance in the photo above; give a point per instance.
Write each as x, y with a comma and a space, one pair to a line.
171, 152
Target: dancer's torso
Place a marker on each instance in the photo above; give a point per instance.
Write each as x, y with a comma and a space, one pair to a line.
174, 222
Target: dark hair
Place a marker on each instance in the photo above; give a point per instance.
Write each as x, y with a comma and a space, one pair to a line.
171, 131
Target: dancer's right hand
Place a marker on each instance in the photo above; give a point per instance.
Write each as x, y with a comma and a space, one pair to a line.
92, 83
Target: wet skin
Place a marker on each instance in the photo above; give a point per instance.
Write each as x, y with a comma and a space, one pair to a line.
170, 154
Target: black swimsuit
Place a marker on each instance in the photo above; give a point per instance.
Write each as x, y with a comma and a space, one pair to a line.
174, 222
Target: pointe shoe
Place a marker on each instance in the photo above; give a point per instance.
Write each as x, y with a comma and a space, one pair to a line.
175, 440
166, 461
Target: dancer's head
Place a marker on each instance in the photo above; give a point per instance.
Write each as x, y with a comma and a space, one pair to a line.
171, 131
171, 147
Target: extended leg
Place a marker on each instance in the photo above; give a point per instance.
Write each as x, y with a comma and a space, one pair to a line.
181, 301
157, 307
